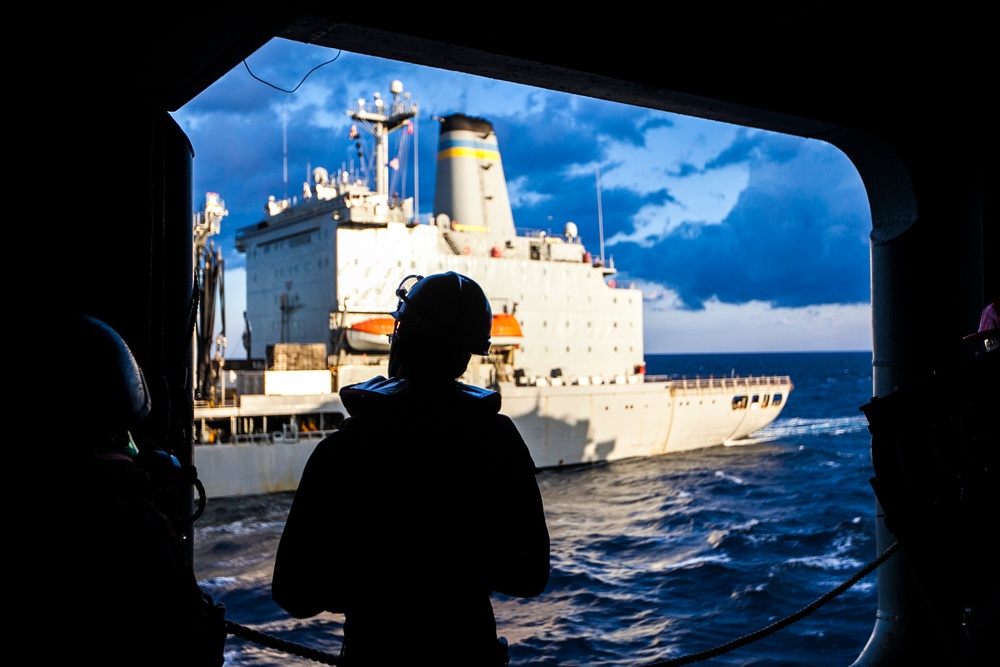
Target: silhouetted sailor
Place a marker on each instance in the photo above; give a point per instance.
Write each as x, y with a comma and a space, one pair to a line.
122, 589
423, 503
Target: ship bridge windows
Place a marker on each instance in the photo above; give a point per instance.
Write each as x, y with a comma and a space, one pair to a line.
776, 401
300, 240
289, 241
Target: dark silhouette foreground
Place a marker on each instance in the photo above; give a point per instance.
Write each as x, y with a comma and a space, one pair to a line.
422, 504
122, 587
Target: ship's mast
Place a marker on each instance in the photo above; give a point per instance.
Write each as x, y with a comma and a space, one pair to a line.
600, 214
379, 122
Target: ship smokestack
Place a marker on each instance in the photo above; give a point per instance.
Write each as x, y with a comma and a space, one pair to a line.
470, 187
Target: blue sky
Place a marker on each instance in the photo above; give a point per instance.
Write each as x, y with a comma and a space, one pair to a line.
742, 240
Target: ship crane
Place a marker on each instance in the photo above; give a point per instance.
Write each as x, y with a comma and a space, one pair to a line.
209, 273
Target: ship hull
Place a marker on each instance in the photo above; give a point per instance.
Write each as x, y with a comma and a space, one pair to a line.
572, 425
563, 426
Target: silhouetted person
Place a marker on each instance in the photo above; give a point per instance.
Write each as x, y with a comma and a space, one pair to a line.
989, 326
936, 462
422, 504
122, 588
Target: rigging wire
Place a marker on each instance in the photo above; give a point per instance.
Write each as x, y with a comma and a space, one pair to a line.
364, 167
247, 65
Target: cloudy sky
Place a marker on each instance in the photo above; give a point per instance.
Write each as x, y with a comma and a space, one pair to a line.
742, 240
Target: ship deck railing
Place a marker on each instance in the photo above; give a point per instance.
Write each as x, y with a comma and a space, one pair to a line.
270, 438
722, 382
233, 402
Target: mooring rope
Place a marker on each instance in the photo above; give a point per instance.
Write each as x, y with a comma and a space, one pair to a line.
244, 632
328, 659
788, 620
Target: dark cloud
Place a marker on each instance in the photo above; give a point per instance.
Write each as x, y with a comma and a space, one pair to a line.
796, 237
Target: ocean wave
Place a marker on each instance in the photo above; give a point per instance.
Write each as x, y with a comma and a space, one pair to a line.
698, 561
829, 561
716, 538
217, 583
797, 427
243, 528
729, 478
841, 557
847, 435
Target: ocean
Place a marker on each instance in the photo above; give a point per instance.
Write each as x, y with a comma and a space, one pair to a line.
652, 559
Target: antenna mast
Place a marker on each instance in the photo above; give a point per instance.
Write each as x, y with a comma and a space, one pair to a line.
380, 121
284, 147
416, 173
600, 214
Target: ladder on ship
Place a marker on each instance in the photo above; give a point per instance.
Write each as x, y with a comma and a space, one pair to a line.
451, 243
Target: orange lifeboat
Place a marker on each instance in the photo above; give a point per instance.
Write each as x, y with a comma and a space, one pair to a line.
371, 335
505, 331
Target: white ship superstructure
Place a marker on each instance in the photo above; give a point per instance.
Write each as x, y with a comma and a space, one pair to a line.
567, 353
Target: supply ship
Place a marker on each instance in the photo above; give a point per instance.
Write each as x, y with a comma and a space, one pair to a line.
567, 350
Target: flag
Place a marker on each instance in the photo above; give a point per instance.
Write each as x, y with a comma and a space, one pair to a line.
394, 163
409, 127
354, 132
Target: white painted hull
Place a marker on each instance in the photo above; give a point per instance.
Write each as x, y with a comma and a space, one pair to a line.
570, 425
563, 426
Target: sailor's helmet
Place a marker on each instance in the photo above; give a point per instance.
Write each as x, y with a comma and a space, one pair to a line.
446, 308
115, 396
